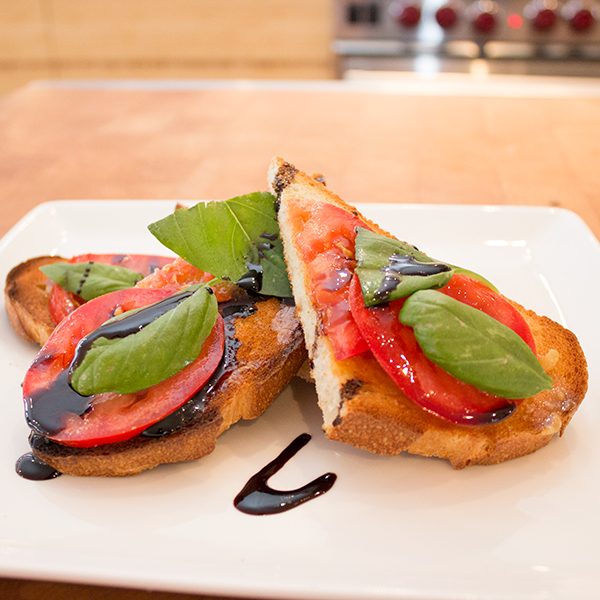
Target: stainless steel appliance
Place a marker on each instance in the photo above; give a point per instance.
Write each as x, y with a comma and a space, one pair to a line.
543, 37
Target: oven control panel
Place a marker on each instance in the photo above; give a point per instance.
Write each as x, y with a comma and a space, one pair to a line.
552, 26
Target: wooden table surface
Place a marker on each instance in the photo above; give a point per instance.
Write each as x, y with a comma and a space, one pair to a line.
537, 145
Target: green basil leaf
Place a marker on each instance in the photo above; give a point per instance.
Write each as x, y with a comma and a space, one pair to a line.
155, 353
275, 281
90, 280
375, 283
373, 252
374, 249
227, 238
474, 347
379, 260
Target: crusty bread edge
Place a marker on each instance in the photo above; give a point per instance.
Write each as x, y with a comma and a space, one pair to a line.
26, 294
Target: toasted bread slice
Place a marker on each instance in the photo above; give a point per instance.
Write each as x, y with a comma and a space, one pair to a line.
363, 407
269, 351
26, 297
265, 351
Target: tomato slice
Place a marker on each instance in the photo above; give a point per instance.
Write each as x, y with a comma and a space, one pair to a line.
396, 349
63, 303
324, 236
180, 274
74, 420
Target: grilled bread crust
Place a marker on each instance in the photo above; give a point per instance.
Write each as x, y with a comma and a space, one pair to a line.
269, 352
363, 407
26, 296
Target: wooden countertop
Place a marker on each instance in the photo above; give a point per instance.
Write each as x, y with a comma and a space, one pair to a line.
514, 142
404, 143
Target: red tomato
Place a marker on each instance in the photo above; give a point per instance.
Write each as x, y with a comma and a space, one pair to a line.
74, 420
180, 274
325, 237
425, 383
62, 303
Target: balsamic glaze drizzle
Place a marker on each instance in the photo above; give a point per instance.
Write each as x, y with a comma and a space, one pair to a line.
29, 466
84, 277
258, 498
405, 265
335, 279
251, 281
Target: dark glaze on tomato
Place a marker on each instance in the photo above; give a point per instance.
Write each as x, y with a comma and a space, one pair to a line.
61, 414
46, 407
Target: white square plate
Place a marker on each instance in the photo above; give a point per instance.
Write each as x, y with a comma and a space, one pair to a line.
391, 527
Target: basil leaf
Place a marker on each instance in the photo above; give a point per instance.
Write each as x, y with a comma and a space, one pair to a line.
275, 281
373, 254
389, 269
90, 280
225, 238
474, 347
159, 350
379, 287
374, 249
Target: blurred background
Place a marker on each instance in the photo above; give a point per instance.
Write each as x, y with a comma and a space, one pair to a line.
294, 39
164, 39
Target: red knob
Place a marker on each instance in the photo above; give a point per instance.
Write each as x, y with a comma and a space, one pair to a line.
409, 15
545, 19
484, 22
582, 20
446, 17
